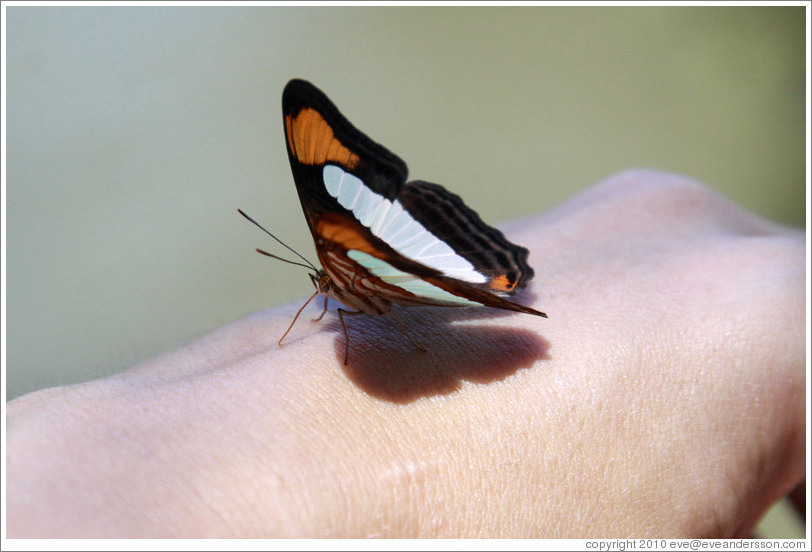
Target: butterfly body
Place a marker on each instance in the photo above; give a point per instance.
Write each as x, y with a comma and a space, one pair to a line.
382, 240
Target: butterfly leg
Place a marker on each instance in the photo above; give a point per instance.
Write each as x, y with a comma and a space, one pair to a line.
295, 318
323, 311
403, 327
341, 313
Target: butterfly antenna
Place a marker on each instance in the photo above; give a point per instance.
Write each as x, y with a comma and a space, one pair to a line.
278, 258
308, 264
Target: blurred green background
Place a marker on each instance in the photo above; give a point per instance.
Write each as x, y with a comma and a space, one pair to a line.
133, 134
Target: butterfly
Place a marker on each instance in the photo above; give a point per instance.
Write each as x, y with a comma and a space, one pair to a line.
381, 240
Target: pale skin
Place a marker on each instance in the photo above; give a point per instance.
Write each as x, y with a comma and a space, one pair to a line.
663, 397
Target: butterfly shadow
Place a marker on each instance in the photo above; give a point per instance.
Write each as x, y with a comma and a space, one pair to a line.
456, 347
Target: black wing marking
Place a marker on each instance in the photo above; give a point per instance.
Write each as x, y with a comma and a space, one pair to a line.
381, 170
444, 214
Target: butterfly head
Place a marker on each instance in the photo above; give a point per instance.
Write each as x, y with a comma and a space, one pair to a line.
324, 284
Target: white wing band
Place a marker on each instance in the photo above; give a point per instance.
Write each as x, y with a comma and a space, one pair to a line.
389, 221
409, 282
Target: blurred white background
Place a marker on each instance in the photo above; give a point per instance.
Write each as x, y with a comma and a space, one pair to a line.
133, 134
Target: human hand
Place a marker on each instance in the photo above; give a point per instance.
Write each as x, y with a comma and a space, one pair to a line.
664, 396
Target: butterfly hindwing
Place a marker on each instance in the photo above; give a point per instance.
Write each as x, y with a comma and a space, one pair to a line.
360, 262
443, 213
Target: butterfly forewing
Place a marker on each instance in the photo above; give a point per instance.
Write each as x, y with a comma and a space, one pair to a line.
317, 134
382, 240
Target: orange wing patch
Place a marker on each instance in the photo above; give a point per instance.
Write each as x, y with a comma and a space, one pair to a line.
345, 233
502, 283
313, 142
